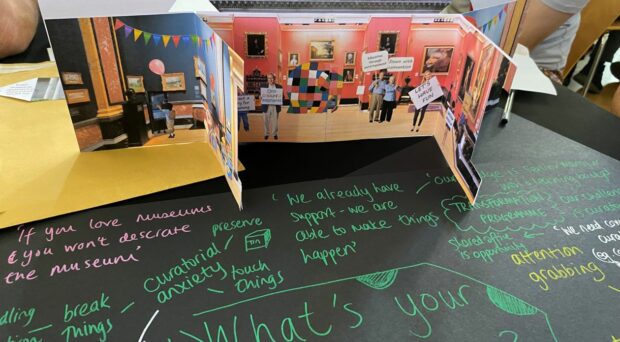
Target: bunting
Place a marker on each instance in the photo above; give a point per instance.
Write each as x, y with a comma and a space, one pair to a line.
165, 38
175, 40
128, 31
147, 37
156, 39
136, 34
493, 21
118, 24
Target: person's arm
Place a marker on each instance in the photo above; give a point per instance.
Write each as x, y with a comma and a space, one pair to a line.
372, 85
543, 17
17, 26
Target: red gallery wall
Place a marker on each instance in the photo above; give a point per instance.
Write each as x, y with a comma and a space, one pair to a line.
431, 36
472, 46
297, 38
412, 40
371, 41
268, 25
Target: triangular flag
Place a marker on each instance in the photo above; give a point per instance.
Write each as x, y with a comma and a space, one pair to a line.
484, 28
175, 40
147, 37
208, 41
185, 38
495, 20
128, 30
156, 39
166, 40
500, 15
195, 39
136, 34
199, 41
118, 24
506, 8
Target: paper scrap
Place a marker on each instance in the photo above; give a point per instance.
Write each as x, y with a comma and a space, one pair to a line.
528, 77
426, 92
34, 89
184, 6
360, 90
374, 61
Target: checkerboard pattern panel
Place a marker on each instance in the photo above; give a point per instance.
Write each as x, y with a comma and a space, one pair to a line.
310, 87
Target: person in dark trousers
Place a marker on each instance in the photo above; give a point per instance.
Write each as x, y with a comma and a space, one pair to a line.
389, 100
243, 116
170, 116
420, 112
613, 44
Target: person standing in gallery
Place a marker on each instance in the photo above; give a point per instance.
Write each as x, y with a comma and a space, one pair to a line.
377, 89
420, 112
242, 115
170, 117
389, 100
271, 112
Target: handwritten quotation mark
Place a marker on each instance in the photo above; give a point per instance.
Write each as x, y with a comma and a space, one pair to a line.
515, 336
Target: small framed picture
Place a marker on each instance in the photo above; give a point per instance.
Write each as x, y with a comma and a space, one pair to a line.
322, 50
349, 58
77, 96
71, 78
293, 59
388, 40
173, 81
256, 44
200, 70
437, 59
136, 83
203, 89
348, 75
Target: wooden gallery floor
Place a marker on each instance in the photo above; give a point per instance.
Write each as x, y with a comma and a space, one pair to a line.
181, 136
346, 123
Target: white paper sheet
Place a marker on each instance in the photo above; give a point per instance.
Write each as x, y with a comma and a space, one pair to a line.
62, 9
34, 89
528, 77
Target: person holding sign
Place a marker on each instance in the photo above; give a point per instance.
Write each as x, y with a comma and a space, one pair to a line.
389, 100
271, 112
377, 89
243, 114
426, 76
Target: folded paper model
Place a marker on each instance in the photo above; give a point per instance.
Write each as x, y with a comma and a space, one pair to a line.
217, 79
